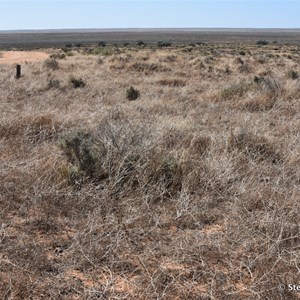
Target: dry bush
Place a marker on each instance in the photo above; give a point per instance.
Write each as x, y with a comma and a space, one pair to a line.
262, 59
51, 63
58, 55
174, 138
245, 68
200, 145
257, 148
268, 84
119, 154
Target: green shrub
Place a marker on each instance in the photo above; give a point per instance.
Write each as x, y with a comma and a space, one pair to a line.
67, 48
112, 151
132, 94
262, 43
258, 79
102, 44
141, 43
77, 82
78, 147
162, 44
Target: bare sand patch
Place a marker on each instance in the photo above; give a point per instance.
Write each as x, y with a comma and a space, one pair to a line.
16, 57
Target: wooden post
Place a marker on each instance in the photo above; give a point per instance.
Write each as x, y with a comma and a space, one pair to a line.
18, 69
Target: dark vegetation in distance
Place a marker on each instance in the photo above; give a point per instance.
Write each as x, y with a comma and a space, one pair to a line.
39, 39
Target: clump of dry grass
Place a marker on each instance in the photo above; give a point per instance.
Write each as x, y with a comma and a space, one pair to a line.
190, 192
293, 74
38, 128
258, 148
172, 82
51, 63
235, 90
148, 67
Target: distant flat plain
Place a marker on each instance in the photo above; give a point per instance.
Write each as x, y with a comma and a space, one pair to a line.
52, 38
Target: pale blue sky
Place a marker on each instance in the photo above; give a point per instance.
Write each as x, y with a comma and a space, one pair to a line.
44, 14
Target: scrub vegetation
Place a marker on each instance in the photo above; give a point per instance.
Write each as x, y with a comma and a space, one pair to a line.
191, 191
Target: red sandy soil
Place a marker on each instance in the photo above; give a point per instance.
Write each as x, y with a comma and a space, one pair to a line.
15, 57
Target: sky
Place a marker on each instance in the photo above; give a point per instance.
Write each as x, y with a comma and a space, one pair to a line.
65, 14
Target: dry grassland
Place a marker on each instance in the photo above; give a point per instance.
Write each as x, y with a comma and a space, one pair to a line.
191, 191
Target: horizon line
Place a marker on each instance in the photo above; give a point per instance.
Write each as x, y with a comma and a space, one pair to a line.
151, 28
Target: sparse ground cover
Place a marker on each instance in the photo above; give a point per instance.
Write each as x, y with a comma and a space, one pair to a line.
190, 190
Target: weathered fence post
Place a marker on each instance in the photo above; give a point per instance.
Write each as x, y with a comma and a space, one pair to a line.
18, 69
